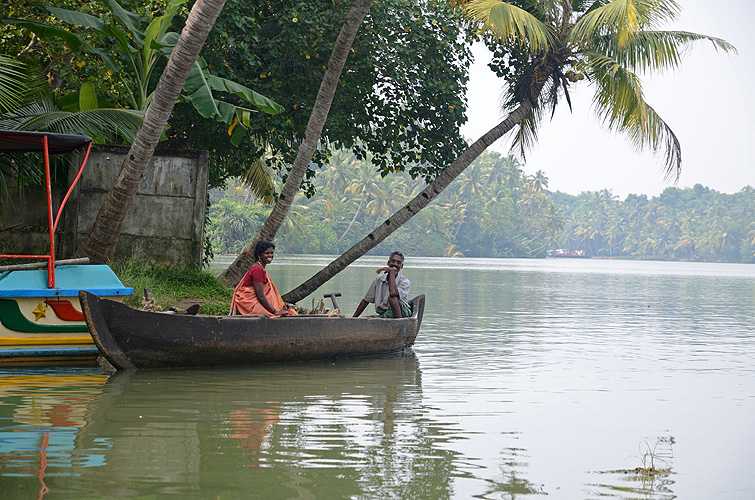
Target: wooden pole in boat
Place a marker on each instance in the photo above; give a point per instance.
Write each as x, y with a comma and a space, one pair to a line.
40, 265
333, 298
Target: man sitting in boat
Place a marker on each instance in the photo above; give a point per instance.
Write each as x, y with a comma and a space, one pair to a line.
389, 291
256, 292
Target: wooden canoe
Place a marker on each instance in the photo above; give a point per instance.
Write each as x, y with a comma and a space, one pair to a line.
130, 338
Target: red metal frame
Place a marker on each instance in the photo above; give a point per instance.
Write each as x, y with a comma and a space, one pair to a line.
53, 223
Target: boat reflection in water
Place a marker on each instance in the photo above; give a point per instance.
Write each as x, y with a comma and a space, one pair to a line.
316, 430
41, 415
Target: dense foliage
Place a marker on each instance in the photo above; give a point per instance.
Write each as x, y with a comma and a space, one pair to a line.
401, 96
695, 223
352, 198
494, 209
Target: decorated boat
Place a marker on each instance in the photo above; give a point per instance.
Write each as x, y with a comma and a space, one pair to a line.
40, 317
131, 338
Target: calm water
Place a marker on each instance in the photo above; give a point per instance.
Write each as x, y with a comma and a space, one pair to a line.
552, 377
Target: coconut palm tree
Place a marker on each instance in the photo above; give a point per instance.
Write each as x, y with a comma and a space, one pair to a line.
387, 197
359, 8
101, 241
366, 182
336, 177
539, 181
553, 45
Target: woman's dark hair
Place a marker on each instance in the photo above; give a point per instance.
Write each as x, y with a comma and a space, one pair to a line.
262, 245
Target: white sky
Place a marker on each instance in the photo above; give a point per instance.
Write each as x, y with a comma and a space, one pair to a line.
708, 103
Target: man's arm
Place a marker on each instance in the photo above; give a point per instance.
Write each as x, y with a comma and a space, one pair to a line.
360, 308
393, 293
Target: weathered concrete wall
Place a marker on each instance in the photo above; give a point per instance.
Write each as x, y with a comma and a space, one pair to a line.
28, 210
164, 224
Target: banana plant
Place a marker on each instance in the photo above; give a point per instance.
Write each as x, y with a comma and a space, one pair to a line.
131, 53
199, 87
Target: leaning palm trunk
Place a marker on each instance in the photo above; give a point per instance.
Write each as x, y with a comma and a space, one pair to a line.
607, 43
100, 243
417, 203
353, 219
232, 275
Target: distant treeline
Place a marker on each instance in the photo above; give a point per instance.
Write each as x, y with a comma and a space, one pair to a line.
493, 209
697, 223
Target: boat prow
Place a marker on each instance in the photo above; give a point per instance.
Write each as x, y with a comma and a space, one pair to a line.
131, 338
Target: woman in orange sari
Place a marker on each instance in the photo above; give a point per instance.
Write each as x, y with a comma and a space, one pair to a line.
256, 293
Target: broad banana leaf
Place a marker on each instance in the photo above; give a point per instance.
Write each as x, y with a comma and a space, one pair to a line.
88, 97
46, 31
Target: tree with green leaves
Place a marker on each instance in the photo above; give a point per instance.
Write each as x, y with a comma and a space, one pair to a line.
140, 48
405, 115
486, 224
544, 47
306, 150
27, 103
100, 243
130, 47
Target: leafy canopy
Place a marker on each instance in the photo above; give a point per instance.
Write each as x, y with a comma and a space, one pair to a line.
401, 96
130, 47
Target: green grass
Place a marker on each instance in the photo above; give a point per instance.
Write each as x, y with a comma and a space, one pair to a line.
170, 285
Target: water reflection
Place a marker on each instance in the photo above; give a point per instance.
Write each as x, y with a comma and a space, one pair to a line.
332, 430
536, 378
41, 415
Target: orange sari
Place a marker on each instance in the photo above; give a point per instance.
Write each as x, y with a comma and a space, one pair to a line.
245, 299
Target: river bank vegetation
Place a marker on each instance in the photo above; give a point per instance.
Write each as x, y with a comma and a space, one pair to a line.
495, 209
173, 287
390, 113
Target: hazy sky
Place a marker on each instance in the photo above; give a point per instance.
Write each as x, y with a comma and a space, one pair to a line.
708, 103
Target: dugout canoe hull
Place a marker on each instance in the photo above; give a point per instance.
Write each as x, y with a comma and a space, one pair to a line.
131, 338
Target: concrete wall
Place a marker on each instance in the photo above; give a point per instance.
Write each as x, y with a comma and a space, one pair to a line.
165, 223
29, 210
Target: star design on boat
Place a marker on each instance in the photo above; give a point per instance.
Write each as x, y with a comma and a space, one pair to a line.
40, 312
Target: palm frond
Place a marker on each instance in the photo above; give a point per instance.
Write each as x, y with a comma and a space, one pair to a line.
507, 22
624, 18
259, 180
655, 50
619, 101
588, 5
526, 135
12, 84
24, 118
257, 176
17, 84
103, 125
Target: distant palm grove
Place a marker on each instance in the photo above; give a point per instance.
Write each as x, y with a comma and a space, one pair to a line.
493, 209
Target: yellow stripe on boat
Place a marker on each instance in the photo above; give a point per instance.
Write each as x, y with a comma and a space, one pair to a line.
45, 340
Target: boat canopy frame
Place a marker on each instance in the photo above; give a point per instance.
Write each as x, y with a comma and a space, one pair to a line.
47, 143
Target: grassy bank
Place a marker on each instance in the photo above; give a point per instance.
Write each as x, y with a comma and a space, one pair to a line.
173, 287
